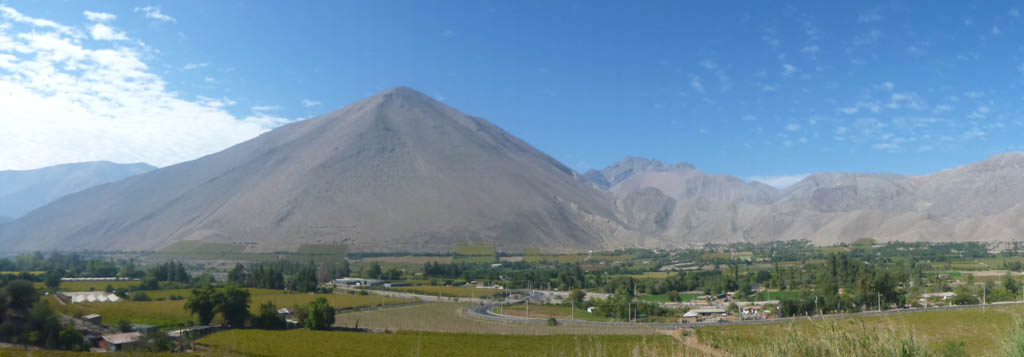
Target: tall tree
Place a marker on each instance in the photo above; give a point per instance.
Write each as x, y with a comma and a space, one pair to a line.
321, 315
202, 302
233, 304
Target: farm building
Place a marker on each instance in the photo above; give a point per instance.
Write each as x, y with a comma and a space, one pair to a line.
699, 315
87, 296
117, 342
357, 282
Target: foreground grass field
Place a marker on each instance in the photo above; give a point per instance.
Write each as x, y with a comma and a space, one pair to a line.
410, 343
451, 318
980, 330
449, 291
172, 312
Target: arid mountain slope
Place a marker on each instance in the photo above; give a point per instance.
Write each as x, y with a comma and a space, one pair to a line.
981, 201
395, 172
23, 191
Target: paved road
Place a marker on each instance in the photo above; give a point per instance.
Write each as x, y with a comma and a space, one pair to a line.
484, 312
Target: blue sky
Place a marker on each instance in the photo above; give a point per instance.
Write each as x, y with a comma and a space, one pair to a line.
753, 89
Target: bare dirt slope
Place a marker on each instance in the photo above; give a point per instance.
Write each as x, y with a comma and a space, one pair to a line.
396, 172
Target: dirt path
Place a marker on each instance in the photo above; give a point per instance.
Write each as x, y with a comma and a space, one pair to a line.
688, 338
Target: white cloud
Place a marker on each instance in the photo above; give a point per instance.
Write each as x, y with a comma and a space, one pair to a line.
265, 108
788, 69
153, 12
13, 15
104, 32
309, 103
793, 127
696, 85
779, 182
191, 66
99, 16
708, 64
64, 100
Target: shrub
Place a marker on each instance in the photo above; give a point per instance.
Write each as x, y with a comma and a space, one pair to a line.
552, 321
321, 315
124, 326
268, 318
140, 296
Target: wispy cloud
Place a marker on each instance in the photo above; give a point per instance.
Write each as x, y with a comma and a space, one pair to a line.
99, 16
153, 12
191, 66
265, 108
309, 103
67, 100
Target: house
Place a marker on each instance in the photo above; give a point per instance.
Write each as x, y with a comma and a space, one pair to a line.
753, 312
93, 318
938, 296
118, 342
700, 315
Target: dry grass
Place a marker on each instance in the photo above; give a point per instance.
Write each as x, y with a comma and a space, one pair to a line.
980, 330
337, 343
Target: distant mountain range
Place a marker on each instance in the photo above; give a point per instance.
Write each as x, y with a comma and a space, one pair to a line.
23, 191
978, 202
402, 172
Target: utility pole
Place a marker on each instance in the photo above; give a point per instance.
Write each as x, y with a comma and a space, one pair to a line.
572, 310
527, 307
879, 302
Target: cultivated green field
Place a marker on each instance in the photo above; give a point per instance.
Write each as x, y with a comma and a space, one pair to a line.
337, 343
650, 275
541, 311
728, 255
172, 312
475, 259
664, 297
449, 291
18, 272
322, 249
980, 330
93, 285
475, 249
